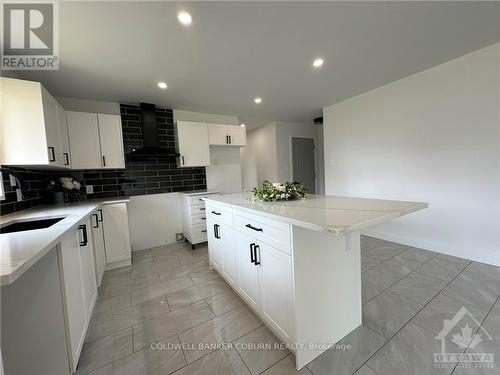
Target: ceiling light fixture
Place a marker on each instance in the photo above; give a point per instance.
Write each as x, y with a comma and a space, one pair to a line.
257, 100
318, 62
162, 85
242, 125
185, 18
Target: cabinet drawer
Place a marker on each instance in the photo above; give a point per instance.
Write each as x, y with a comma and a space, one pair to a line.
198, 219
197, 210
220, 213
198, 199
200, 233
272, 232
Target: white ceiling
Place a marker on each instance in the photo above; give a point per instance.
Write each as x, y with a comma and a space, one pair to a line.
235, 51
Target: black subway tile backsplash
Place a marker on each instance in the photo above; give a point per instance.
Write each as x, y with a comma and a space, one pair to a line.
140, 177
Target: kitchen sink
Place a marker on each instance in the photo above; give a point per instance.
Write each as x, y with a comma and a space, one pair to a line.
21, 226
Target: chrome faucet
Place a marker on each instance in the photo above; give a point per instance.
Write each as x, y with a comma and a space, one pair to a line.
18, 178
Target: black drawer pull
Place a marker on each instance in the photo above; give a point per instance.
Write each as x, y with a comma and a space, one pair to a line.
96, 220
66, 156
83, 227
202, 209
216, 213
204, 231
256, 262
52, 154
254, 228
203, 218
100, 211
252, 258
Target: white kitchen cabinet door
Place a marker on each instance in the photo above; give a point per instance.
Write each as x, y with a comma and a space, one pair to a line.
248, 272
88, 267
237, 136
98, 240
62, 128
192, 142
51, 128
275, 288
74, 299
214, 244
116, 232
217, 135
228, 251
110, 133
84, 142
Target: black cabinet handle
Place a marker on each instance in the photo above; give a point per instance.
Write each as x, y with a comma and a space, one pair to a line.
103, 161
254, 228
216, 213
100, 211
52, 154
204, 231
203, 218
182, 158
202, 209
96, 220
227, 139
83, 227
66, 157
257, 262
252, 258
230, 140
216, 231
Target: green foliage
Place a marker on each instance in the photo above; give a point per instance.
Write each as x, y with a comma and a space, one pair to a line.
279, 192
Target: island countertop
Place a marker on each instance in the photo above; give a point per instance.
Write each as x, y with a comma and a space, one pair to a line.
325, 213
21, 250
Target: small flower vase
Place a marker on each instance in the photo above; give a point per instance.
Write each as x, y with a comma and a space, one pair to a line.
58, 197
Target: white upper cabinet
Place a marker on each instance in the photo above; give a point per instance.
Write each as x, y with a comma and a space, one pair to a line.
226, 135
110, 133
192, 144
96, 140
32, 131
62, 127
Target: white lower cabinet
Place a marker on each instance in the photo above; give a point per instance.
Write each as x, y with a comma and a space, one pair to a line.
248, 272
116, 235
214, 245
96, 220
228, 254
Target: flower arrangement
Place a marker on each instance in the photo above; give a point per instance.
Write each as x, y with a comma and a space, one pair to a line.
66, 189
271, 192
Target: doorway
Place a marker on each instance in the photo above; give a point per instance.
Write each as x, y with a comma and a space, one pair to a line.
303, 163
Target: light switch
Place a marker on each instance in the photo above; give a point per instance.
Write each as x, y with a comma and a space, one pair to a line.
89, 189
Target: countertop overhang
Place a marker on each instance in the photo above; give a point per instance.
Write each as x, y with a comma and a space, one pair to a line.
325, 213
21, 250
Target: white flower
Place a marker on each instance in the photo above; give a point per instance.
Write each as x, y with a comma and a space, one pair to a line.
77, 185
67, 183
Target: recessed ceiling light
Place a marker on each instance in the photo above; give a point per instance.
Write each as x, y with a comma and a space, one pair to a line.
258, 100
162, 85
185, 18
318, 62
242, 125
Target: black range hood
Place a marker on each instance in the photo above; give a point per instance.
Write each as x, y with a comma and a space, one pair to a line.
150, 148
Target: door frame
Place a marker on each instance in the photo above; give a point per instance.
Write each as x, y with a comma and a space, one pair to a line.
315, 159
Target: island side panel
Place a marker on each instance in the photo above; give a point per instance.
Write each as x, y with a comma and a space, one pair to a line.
327, 289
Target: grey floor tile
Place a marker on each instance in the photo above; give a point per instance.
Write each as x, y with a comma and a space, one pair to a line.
121, 301
224, 302
203, 276
365, 370
472, 290
159, 290
225, 328
433, 315
104, 324
397, 266
102, 306
450, 258
286, 367
384, 252
440, 268
418, 287
418, 254
363, 344
117, 271
260, 350
492, 321
368, 243
166, 325
388, 312
195, 293
183, 271
148, 361
220, 362
103, 351
374, 282
410, 352
367, 262
489, 274
141, 312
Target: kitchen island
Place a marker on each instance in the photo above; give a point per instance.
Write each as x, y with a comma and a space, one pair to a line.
297, 263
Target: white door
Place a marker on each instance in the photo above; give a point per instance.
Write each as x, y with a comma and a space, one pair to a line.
110, 133
74, 300
193, 144
84, 140
51, 129
217, 134
237, 136
248, 272
276, 288
87, 266
116, 232
303, 167
98, 240
62, 127
214, 244
228, 253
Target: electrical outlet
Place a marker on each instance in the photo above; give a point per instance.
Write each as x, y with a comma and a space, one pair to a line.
89, 189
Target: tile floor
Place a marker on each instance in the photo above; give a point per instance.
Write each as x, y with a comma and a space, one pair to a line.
170, 298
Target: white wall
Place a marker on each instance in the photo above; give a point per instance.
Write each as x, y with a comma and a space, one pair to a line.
433, 137
205, 117
259, 159
154, 220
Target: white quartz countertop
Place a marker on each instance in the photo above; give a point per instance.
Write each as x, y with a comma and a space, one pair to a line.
199, 192
326, 213
21, 250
